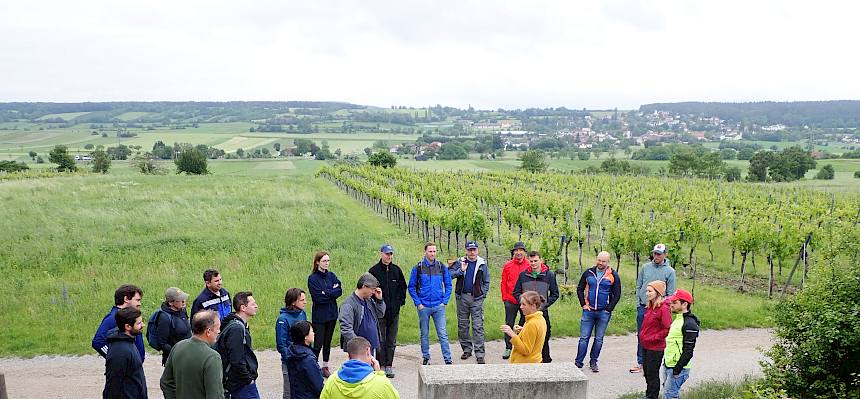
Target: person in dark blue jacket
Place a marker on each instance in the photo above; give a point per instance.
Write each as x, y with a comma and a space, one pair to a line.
213, 297
124, 378
126, 295
172, 324
599, 290
292, 312
325, 288
306, 379
430, 289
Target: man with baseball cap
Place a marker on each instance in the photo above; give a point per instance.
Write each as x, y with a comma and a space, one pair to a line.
393, 285
657, 269
510, 273
679, 343
473, 283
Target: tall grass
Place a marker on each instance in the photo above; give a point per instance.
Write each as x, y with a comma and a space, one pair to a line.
68, 243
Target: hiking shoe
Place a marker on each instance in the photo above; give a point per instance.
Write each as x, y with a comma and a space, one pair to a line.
480, 360
594, 368
449, 361
326, 372
426, 362
636, 369
507, 354
389, 372
466, 355
579, 365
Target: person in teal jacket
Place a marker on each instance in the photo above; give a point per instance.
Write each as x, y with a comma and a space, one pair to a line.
293, 311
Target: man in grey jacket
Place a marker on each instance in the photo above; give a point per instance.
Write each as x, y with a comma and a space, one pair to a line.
359, 313
473, 283
657, 269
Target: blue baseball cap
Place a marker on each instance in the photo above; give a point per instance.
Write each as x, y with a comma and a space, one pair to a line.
471, 244
386, 249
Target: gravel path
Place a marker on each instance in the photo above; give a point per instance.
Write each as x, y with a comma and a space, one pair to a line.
726, 354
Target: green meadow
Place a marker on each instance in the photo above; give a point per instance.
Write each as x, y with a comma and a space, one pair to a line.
70, 241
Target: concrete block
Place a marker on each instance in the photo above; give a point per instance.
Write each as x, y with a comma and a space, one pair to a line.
510, 381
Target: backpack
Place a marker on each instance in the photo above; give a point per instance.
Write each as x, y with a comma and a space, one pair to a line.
152, 329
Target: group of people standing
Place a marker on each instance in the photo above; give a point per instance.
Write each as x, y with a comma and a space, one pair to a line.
210, 354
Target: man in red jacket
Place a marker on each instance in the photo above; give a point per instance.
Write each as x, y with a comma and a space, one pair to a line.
510, 273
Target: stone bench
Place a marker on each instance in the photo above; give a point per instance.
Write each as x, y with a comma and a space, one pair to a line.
485, 381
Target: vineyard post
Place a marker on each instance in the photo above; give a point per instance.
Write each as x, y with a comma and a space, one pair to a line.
796, 262
499, 225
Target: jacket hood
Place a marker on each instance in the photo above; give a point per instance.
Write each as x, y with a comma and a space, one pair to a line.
230, 317
692, 316
291, 312
298, 352
352, 372
114, 335
166, 308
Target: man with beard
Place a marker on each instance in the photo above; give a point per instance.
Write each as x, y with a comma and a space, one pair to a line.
124, 378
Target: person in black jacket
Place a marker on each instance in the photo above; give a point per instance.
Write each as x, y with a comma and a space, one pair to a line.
325, 288
541, 280
393, 285
172, 325
124, 378
306, 379
236, 349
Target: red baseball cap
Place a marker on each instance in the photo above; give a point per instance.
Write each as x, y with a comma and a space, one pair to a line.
682, 295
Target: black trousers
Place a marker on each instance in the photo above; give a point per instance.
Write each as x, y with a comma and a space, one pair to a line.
323, 333
546, 358
511, 312
651, 369
387, 338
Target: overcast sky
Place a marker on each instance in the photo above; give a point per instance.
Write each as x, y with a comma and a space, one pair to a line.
488, 54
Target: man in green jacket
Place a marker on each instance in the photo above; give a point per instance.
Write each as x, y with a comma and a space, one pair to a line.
194, 370
679, 343
359, 377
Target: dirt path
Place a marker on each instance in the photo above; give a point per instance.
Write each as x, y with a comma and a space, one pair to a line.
727, 354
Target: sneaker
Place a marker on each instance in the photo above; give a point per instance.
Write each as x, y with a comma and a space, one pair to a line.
480, 360
507, 354
326, 372
466, 355
449, 361
594, 368
636, 369
579, 365
389, 372
426, 362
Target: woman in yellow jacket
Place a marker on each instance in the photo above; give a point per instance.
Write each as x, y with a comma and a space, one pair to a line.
528, 340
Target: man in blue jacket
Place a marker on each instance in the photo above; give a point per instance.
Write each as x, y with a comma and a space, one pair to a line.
473, 283
599, 290
126, 296
213, 297
430, 289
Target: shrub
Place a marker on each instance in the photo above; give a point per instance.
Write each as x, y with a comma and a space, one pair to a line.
60, 156
191, 161
733, 173
534, 161
857, 174
12, 166
101, 162
826, 173
817, 349
146, 164
382, 158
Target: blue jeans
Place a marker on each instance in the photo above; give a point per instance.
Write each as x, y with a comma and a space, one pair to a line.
438, 315
596, 321
640, 351
672, 386
246, 392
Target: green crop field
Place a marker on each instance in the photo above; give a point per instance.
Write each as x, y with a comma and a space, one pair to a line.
70, 241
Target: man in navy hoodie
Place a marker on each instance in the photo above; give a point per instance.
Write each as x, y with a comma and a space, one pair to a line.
430, 289
124, 378
125, 296
213, 297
